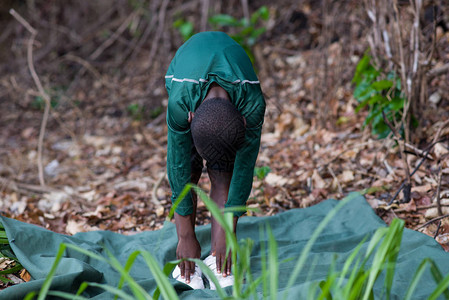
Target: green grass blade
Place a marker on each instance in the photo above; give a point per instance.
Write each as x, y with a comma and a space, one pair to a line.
82, 288
3, 236
418, 274
5, 279
440, 289
167, 270
86, 252
263, 259
385, 256
30, 296
305, 252
357, 288
213, 208
112, 290
349, 261
205, 269
273, 264
129, 263
46, 285
394, 238
243, 269
375, 241
326, 286
137, 290
181, 196
12, 270
352, 284
64, 295
438, 277
167, 290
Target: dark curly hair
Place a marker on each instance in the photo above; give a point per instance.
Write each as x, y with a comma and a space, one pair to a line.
218, 132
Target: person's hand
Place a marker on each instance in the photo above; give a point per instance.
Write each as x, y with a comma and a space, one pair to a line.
188, 248
220, 253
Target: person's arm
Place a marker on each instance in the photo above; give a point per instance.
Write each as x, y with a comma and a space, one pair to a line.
242, 177
178, 168
179, 174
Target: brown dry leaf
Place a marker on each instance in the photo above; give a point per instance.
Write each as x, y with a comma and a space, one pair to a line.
433, 212
346, 176
440, 150
14, 278
6, 263
275, 180
300, 127
422, 188
25, 275
318, 182
285, 123
409, 207
160, 211
74, 227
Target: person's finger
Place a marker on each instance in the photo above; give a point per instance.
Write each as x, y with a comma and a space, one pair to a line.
189, 270
218, 262
224, 267
228, 265
182, 268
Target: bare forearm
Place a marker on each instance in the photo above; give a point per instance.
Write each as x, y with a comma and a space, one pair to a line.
184, 228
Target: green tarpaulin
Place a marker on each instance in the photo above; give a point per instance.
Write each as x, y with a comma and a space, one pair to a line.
36, 249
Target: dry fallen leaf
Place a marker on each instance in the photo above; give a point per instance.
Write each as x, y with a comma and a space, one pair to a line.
275, 180
160, 211
440, 150
346, 176
318, 182
25, 275
74, 227
422, 188
433, 212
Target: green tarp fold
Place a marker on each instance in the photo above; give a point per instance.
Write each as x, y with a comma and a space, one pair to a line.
36, 249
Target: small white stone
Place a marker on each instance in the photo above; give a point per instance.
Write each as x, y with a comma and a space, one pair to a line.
435, 98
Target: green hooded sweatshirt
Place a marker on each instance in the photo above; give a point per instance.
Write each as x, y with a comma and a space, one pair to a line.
205, 58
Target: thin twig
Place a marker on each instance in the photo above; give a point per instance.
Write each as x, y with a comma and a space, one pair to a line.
159, 31
431, 221
349, 148
204, 14
154, 197
340, 190
438, 198
423, 207
89, 67
417, 167
437, 71
137, 47
438, 229
245, 9
416, 151
38, 83
407, 183
114, 36
19, 186
151, 141
437, 135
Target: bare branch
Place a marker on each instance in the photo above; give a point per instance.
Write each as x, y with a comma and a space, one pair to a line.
42, 92
114, 36
438, 71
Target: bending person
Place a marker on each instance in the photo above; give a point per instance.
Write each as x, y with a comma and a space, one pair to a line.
215, 113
